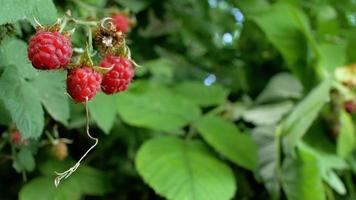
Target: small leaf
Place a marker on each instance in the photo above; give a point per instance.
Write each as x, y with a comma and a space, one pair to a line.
281, 86
267, 145
178, 169
267, 114
202, 94
24, 160
227, 140
301, 178
102, 112
346, 142
303, 115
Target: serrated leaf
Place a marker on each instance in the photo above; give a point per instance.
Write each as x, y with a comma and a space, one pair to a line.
267, 114
178, 169
281, 86
51, 89
303, 115
13, 52
227, 140
346, 142
22, 102
266, 140
102, 112
201, 94
14, 10
301, 178
154, 106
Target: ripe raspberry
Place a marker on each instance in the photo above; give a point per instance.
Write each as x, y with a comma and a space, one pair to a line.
119, 77
83, 83
59, 151
49, 50
121, 22
350, 106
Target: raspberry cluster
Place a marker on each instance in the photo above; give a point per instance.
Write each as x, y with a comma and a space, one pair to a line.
49, 49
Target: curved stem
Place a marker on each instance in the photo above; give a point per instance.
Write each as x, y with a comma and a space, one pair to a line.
70, 171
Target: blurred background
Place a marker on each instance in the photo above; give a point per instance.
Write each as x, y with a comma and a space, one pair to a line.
233, 99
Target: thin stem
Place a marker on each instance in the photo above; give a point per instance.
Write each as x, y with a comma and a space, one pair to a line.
87, 23
64, 24
70, 171
90, 40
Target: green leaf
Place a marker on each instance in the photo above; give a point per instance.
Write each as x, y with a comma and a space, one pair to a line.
23, 103
332, 56
267, 114
179, 169
303, 115
346, 142
24, 160
301, 178
13, 52
14, 10
102, 112
5, 118
324, 151
288, 29
201, 94
44, 11
136, 6
52, 92
267, 143
42, 188
227, 140
281, 86
161, 69
85, 180
154, 106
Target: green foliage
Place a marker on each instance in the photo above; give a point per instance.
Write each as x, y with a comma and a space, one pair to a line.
154, 106
43, 10
85, 181
181, 169
227, 139
303, 115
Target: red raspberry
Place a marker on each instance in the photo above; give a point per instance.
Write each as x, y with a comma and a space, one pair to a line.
83, 83
121, 22
350, 106
119, 77
49, 50
15, 137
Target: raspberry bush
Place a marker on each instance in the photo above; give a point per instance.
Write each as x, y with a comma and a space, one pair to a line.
194, 100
